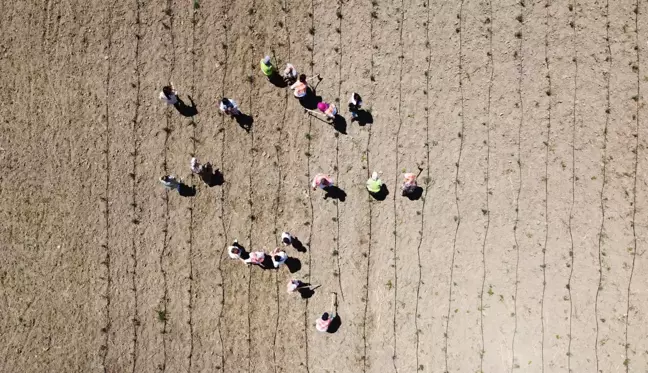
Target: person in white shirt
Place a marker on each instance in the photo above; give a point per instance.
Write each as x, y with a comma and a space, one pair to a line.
355, 103
169, 95
286, 238
171, 182
279, 257
236, 251
229, 107
202, 170
290, 74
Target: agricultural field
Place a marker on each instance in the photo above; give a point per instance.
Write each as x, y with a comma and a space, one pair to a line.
525, 252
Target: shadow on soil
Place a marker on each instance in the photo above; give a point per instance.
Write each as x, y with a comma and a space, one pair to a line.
335, 192
298, 245
184, 109
306, 292
186, 190
414, 195
335, 324
364, 117
278, 81
293, 264
382, 194
244, 121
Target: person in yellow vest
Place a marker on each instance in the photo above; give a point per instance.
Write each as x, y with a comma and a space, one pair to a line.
374, 184
267, 67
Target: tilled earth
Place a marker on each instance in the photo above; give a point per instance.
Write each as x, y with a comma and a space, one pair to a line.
526, 251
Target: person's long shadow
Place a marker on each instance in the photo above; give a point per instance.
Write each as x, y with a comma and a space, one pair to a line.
311, 100
335, 192
184, 109
244, 121
278, 81
186, 190
335, 324
382, 194
340, 124
298, 245
212, 177
293, 264
306, 291
414, 195
364, 117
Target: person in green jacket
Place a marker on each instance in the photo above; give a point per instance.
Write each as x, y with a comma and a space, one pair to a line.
374, 184
267, 67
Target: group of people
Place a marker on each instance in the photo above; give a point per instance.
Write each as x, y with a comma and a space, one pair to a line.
275, 259
374, 184
303, 92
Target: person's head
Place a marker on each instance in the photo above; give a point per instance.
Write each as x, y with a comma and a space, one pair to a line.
266, 61
286, 240
225, 101
277, 258
325, 316
302, 78
322, 106
167, 90
356, 97
236, 250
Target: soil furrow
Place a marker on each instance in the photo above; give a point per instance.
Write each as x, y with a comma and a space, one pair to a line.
309, 275
604, 181
106, 198
487, 178
366, 157
427, 186
135, 211
456, 187
546, 185
193, 123
337, 148
223, 146
252, 151
574, 11
626, 345
397, 174
165, 248
520, 71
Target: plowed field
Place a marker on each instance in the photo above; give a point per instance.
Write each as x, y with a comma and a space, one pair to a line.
525, 252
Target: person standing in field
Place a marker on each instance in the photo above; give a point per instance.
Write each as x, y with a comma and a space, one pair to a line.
322, 181
323, 323
236, 251
171, 182
169, 95
229, 107
355, 104
286, 239
204, 171
328, 109
374, 184
267, 68
279, 257
256, 257
409, 184
290, 74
